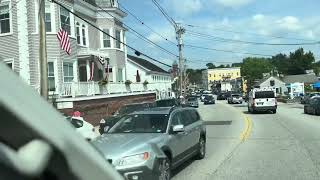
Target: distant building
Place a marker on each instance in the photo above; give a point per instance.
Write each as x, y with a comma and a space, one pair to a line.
143, 71
273, 82
222, 79
296, 83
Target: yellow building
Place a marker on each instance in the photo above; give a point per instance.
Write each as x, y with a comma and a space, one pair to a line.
220, 74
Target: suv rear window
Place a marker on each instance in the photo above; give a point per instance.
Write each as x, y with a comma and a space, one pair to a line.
264, 94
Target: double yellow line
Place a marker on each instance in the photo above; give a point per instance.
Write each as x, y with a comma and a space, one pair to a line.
248, 128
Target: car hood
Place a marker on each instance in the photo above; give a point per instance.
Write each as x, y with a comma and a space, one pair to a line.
115, 146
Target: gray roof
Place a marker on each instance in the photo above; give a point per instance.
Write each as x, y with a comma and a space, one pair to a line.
147, 64
301, 78
260, 81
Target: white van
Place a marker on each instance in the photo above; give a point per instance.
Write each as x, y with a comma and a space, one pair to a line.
262, 99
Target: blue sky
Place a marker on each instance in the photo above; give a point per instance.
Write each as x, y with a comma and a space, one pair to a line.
257, 20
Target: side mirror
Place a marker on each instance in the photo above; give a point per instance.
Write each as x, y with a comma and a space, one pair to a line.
178, 128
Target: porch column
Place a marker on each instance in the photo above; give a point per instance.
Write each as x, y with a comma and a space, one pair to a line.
75, 71
114, 73
88, 69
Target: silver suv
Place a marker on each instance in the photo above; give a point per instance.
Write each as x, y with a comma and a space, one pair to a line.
149, 144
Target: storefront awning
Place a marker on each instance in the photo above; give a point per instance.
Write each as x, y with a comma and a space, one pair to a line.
316, 85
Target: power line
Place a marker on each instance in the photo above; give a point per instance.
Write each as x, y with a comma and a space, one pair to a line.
137, 52
143, 23
165, 14
216, 38
248, 33
227, 51
139, 35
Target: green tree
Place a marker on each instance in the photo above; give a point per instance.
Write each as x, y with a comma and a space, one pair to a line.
236, 64
228, 66
221, 66
299, 61
210, 66
280, 63
194, 75
252, 68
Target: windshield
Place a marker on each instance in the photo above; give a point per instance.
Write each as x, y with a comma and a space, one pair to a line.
264, 94
192, 99
142, 123
208, 97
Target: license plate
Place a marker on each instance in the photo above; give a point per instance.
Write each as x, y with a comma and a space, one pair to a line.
259, 103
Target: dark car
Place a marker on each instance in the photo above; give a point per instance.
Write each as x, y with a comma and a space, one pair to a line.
108, 122
167, 102
209, 100
313, 106
308, 96
222, 96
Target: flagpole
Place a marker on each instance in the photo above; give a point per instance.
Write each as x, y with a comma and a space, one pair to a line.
43, 51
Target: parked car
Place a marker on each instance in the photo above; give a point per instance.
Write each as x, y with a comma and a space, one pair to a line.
84, 128
192, 102
263, 99
108, 122
38, 143
168, 102
305, 99
235, 99
313, 106
149, 144
209, 100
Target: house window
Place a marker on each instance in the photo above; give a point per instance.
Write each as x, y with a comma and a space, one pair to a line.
67, 72
65, 20
4, 19
119, 75
78, 33
209, 75
118, 37
84, 38
48, 16
106, 39
272, 83
51, 80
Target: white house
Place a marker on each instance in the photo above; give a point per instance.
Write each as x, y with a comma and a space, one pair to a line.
273, 82
152, 76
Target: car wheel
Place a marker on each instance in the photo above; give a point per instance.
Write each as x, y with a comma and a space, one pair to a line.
274, 111
165, 170
202, 148
305, 111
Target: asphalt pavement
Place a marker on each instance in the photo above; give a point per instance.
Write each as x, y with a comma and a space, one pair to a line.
260, 146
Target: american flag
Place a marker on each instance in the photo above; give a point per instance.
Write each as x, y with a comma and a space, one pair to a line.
64, 40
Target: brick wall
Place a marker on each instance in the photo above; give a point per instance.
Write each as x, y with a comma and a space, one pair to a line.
96, 109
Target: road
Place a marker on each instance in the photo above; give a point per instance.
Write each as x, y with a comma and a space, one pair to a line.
282, 146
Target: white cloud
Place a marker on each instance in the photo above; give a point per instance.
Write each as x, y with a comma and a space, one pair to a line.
185, 7
233, 3
290, 23
258, 17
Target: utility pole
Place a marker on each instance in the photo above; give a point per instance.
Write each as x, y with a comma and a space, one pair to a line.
43, 51
180, 31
